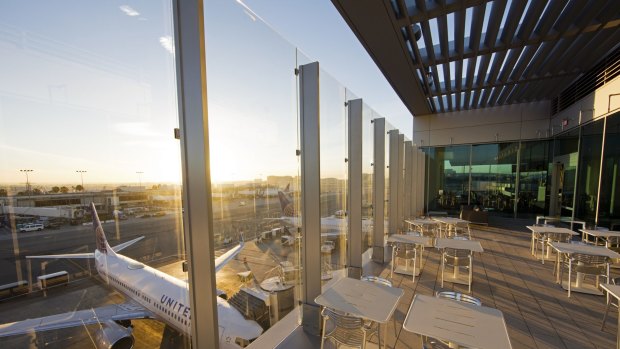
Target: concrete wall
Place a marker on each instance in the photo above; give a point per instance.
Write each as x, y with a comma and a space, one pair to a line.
503, 123
596, 105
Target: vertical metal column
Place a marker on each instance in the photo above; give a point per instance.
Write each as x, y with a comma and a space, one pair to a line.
378, 197
311, 195
422, 182
517, 178
395, 174
354, 242
600, 174
408, 191
401, 181
194, 132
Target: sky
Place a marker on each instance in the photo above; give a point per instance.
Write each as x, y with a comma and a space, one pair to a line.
91, 86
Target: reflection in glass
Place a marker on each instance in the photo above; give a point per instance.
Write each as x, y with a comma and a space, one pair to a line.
533, 188
448, 178
609, 201
565, 152
493, 176
87, 110
589, 167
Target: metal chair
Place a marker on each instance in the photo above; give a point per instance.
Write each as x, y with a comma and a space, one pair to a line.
377, 280
462, 229
348, 330
404, 251
586, 264
549, 237
460, 297
537, 237
614, 281
457, 258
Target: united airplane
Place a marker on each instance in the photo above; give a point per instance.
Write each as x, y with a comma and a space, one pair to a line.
152, 294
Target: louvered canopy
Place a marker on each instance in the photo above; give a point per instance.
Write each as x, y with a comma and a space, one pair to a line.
442, 56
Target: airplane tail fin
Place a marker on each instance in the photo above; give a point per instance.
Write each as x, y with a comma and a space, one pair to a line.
285, 204
100, 239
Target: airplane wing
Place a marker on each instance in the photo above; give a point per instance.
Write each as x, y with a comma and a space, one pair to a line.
221, 261
114, 312
116, 248
69, 256
124, 245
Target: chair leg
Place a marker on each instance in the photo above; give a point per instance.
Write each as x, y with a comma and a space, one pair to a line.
415, 259
605, 316
471, 265
393, 262
323, 332
570, 269
442, 267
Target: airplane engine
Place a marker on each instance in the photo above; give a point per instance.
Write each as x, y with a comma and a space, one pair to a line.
114, 336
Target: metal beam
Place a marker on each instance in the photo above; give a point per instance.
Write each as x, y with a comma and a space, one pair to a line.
311, 194
378, 197
188, 19
354, 202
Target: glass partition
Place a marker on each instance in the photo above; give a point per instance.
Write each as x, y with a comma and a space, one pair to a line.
253, 130
87, 113
333, 128
493, 176
589, 168
533, 187
609, 201
448, 178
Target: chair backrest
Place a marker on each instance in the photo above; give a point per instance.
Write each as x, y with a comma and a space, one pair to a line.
404, 250
457, 296
376, 280
458, 253
414, 233
558, 237
589, 259
344, 321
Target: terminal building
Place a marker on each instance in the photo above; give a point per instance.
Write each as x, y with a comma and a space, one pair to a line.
290, 184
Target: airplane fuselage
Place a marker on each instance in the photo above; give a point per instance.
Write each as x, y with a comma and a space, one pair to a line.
168, 297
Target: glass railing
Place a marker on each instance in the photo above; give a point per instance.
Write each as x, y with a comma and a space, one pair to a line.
87, 113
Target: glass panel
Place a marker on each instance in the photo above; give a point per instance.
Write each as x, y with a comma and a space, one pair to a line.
253, 129
565, 151
333, 175
533, 186
609, 202
448, 178
589, 168
493, 175
88, 108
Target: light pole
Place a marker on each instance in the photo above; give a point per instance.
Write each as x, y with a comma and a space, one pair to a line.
139, 178
81, 172
25, 171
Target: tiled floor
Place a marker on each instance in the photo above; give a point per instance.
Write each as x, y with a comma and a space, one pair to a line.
538, 312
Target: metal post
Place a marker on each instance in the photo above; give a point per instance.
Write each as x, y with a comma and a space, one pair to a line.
401, 182
394, 179
518, 170
188, 19
409, 188
311, 195
600, 174
354, 246
378, 197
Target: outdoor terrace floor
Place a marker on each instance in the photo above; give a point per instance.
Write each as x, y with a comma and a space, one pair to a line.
537, 311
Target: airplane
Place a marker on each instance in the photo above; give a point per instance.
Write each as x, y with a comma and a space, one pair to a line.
152, 294
332, 227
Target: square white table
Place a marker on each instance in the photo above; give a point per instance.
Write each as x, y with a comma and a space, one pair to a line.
569, 249
614, 291
362, 299
471, 245
539, 232
459, 323
597, 234
419, 241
